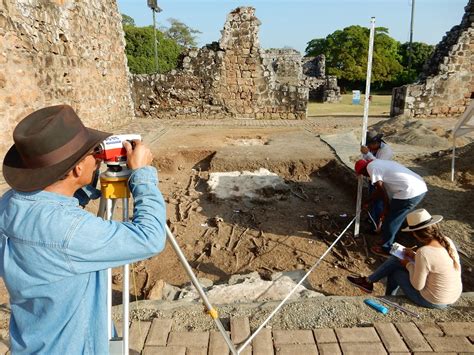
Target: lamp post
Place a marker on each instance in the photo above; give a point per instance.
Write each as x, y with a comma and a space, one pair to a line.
153, 5
410, 45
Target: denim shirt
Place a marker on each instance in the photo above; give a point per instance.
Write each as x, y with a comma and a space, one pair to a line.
54, 256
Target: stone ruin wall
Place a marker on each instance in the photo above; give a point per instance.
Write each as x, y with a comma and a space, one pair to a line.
322, 87
447, 85
62, 52
232, 78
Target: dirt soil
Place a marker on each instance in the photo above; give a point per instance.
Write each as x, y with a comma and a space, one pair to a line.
291, 232
225, 237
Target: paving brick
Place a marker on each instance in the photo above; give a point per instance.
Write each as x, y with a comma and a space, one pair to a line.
429, 328
413, 337
471, 339
457, 328
325, 335
361, 335
247, 350
239, 329
159, 331
292, 349
217, 344
262, 344
292, 337
196, 351
448, 343
162, 350
137, 335
391, 339
432, 353
362, 348
329, 349
189, 339
3, 347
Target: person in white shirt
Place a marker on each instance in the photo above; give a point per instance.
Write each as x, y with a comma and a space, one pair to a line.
401, 189
376, 148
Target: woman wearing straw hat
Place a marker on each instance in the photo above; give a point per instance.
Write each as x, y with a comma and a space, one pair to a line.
431, 277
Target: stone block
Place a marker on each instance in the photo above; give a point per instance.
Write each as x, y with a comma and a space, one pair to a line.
240, 329
3, 348
362, 348
138, 334
164, 350
429, 328
159, 331
262, 344
196, 351
325, 335
189, 339
390, 337
329, 349
450, 343
217, 344
292, 337
413, 337
292, 349
361, 335
457, 328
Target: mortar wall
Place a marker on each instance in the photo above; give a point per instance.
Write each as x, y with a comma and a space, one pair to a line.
446, 86
62, 52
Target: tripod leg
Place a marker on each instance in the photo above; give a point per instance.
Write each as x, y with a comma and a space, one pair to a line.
109, 211
212, 312
125, 289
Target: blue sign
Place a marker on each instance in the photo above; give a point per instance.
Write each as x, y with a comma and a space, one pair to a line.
355, 97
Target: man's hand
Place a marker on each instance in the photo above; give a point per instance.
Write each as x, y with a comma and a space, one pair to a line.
364, 149
139, 157
404, 262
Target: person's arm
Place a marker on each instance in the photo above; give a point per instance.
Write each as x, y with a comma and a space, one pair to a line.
366, 153
418, 271
95, 244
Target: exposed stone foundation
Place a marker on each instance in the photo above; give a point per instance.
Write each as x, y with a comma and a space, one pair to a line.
447, 84
62, 52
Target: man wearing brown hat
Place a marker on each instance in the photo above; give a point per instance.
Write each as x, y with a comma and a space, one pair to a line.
53, 254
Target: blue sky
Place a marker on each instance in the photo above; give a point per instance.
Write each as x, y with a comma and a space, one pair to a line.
294, 23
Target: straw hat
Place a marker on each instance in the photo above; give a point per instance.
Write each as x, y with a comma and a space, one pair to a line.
420, 219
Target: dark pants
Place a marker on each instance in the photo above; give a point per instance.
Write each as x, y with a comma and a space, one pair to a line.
377, 206
398, 212
398, 277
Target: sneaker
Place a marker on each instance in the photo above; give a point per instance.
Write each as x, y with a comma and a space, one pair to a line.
378, 250
362, 283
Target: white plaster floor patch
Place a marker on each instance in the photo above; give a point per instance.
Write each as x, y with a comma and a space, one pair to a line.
259, 185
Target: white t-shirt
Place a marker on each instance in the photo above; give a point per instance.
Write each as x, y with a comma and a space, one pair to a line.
400, 182
384, 153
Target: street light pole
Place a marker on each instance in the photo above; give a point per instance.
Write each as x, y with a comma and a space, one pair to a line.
410, 45
153, 5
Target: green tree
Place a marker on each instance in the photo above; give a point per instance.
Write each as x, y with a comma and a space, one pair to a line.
127, 20
182, 34
140, 50
346, 55
420, 53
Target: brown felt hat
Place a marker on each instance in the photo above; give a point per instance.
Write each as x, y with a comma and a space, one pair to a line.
48, 144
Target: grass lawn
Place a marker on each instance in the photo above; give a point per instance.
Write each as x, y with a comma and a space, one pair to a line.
379, 106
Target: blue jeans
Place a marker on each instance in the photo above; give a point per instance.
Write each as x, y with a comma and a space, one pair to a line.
398, 212
398, 277
377, 206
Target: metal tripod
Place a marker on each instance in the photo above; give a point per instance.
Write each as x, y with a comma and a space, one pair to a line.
114, 186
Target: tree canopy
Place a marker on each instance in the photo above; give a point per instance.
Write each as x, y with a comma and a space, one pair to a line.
182, 34
127, 20
346, 56
141, 54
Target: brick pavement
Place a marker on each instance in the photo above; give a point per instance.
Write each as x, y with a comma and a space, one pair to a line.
381, 338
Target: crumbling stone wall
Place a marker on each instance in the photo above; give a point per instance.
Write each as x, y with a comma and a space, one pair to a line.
232, 78
447, 83
62, 52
